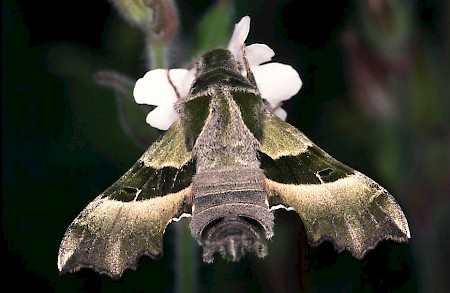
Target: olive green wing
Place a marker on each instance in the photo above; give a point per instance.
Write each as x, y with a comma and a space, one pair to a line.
335, 202
128, 219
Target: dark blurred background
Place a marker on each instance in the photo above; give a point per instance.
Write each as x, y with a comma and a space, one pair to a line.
375, 95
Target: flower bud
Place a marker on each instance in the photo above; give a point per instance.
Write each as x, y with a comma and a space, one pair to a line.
156, 18
387, 26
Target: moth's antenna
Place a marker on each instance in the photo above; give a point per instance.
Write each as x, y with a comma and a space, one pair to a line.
173, 86
250, 75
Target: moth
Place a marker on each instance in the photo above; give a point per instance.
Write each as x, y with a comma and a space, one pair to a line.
228, 161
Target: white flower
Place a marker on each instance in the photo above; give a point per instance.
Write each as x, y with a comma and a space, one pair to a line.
155, 89
276, 82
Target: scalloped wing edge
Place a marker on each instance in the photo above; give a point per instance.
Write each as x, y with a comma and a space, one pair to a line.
110, 236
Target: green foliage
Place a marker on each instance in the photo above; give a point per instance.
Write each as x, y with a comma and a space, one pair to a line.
214, 29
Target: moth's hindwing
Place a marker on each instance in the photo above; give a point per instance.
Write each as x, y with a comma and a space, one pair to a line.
128, 219
335, 202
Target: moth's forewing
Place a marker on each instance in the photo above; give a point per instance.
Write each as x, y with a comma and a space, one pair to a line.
128, 219
335, 202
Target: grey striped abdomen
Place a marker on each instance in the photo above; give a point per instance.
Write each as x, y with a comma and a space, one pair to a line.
230, 213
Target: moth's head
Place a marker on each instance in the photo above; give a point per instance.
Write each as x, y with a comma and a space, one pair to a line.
220, 68
217, 59
232, 237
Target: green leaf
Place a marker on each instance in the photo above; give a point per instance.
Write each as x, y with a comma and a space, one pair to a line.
214, 29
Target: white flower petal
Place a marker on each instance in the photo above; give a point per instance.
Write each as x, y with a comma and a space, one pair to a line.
258, 54
240, 33
187, 82
281, 113
150, 88
162, 117
277, 82
155, 89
